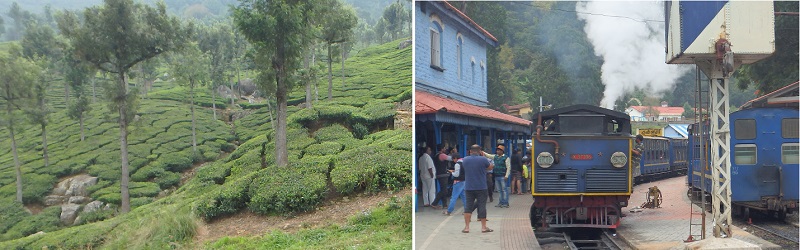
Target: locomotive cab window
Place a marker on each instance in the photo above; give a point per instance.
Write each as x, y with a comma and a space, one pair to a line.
745, 154
745, 129
581, 124
790, 128
790, 152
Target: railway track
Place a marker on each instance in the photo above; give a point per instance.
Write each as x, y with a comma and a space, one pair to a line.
581, 239
780, 232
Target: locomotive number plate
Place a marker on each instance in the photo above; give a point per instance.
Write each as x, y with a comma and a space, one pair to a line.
581, 157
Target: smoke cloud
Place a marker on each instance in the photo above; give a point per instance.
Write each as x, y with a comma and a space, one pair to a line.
632, 51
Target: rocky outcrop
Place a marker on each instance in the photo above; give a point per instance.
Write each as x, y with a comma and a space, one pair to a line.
93, 206
69, 212
71, 190
75, 186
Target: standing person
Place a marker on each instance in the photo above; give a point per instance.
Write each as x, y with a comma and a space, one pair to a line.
501, 172
526, 174
440, 162
516, 172
636, 155
427, 174
458, 187
475, 187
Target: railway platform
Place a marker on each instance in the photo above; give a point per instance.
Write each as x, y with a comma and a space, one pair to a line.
512, 229
667, 227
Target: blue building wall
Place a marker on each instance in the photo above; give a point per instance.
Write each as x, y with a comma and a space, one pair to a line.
470, 87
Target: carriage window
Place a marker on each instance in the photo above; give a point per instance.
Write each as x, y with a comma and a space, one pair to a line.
745, 129
790, 128
790, 152
745, 154
581, 124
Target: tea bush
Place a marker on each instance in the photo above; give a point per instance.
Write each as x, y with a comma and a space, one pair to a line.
286, 190
332, 133
324, 148
227, 199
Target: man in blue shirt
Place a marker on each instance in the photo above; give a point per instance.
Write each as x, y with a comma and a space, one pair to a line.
475, 167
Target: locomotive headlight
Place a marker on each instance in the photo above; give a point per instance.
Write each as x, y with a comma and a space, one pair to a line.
618, 159
545, 159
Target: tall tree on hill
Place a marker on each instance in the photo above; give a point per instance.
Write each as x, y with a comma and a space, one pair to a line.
781, 68
114, 38
21, 19
394, 17
217, 41
278, 31
190, 67
41, 45
16, 72
337, 27
78, 74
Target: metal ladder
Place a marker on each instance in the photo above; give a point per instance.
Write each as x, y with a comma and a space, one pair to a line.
700, 147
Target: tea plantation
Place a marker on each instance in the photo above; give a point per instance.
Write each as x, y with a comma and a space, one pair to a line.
340, 147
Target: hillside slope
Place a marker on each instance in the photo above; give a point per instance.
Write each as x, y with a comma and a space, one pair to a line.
341, 147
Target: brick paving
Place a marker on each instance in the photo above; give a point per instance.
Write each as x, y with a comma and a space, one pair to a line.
667, 227
511, 226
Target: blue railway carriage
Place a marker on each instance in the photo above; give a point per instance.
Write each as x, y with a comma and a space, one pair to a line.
655, 162
581, 173
678, 155
764, 161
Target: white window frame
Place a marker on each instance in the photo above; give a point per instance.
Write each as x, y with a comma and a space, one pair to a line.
436, 48
783, 155
738, 146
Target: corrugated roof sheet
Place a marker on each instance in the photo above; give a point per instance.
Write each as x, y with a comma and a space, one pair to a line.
427, 103
681, 129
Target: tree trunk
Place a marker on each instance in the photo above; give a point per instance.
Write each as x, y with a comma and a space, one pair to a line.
238, 80
271, 120
17, 167
308, 79
330, 74
342, 45
214, 102
44, 145
191, 101
281, 152
81, 120
314, 62
123, 143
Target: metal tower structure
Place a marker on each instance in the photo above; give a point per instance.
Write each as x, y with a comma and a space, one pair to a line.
718, 37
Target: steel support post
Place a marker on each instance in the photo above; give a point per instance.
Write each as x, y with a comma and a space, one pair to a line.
720, 148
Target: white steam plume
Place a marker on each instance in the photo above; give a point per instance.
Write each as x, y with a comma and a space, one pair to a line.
632, 51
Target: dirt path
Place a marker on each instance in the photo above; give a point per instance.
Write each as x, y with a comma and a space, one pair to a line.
247, 223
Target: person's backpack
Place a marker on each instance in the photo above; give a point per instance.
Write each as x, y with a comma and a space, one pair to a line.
525, 171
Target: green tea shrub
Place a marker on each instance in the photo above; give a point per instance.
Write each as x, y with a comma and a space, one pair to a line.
324, 148
37, 186
359, 131
334, 132
303, 116
11, 212
48, 220
286, 190
371, 169
227, 199
215, 172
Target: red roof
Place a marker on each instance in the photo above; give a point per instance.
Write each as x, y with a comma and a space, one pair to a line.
660, 110
775, 93
427, 103
469, 20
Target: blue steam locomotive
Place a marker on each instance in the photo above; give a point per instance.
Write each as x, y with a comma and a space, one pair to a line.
581, 174
764, 160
